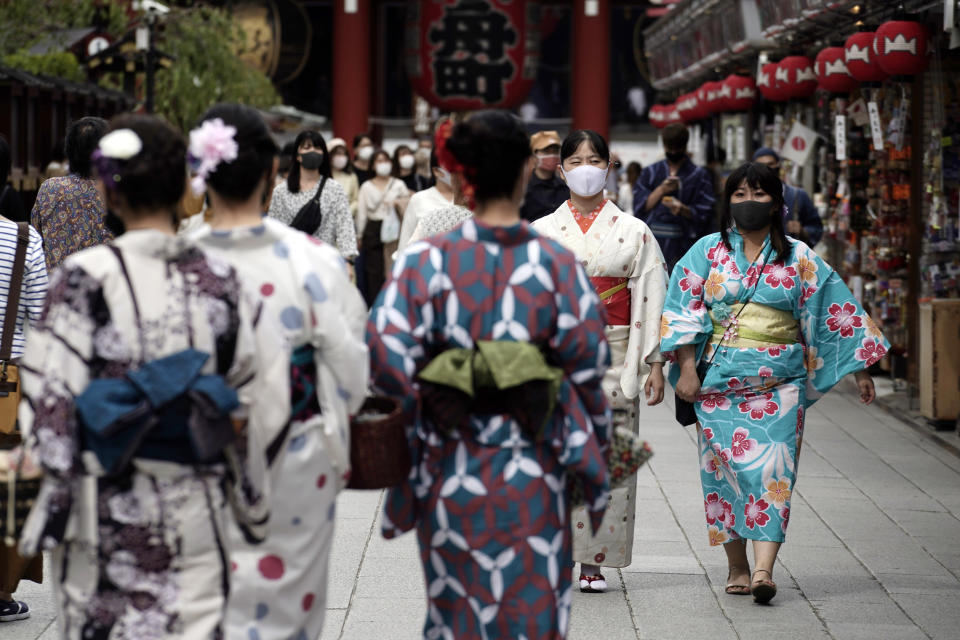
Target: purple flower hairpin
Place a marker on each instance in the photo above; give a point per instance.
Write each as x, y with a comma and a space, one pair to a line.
210, 144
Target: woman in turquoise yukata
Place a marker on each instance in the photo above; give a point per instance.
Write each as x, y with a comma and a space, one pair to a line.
511, 317
773, 328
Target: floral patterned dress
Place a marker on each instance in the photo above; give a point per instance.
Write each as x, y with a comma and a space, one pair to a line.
142, 554
279, 586
489, 501
756, 389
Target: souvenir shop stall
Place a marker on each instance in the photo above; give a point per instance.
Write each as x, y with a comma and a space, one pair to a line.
862, 99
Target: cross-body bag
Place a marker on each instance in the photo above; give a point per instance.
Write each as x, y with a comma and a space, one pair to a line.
9, 372
310, 216
684, 410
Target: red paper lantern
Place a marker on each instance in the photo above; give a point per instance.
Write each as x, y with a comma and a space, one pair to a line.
713, 103
472, 55
671, 115
658, 115
901, 47
738, 93
832, 72
860, 58
797, 76
768, 85
689, 107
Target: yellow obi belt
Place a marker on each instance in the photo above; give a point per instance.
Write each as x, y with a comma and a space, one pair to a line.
757, 326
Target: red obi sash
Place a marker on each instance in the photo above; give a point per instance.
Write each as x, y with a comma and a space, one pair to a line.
615, 296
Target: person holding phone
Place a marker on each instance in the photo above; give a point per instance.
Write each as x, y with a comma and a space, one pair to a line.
675, 197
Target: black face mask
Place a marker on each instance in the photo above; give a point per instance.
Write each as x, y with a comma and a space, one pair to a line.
311, 160
675, 156
751, 215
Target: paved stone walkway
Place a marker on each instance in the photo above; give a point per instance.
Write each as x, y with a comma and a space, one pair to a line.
873, 550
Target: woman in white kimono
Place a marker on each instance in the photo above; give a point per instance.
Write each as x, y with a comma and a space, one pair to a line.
147, 362
626, 267
278, 588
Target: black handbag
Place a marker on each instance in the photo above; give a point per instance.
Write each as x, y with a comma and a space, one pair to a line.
310, 216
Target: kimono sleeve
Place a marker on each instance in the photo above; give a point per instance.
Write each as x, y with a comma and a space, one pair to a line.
648, 291
54, 370
701, 202
685, 318
642, 190
839, 337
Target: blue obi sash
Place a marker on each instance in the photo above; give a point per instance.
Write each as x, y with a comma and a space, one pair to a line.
165, 410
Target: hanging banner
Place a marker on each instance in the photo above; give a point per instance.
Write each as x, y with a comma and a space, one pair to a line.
799, 144
777, 130
876, 129
741, 143
472, 54
840, 137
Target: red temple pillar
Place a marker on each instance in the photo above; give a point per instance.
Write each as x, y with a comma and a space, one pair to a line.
351, 68
590, 66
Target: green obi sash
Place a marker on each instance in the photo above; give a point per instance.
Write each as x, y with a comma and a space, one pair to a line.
495, 377
758, 326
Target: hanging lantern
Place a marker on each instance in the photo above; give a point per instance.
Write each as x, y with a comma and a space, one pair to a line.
671, 115
713, 103
901, 47
739, 93
832, 72
860, 58
658, 115
472, 55
797, 76
689, 108
768, 84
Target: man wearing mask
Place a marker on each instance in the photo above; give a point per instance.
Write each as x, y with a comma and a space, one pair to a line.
545, 191
800, 219
675, 197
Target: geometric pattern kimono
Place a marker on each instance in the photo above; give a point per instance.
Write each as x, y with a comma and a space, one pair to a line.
488, 500
142, 554
801, 332
616, 249
279, 586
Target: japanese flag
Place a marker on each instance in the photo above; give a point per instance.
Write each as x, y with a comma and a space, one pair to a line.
798, 144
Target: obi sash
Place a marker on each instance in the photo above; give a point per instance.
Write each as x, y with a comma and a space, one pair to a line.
615, 296
664, 230
498, 377
757, 326
165, 410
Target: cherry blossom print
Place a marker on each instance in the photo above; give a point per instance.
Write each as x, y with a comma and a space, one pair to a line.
713, 401
665, 330
739, 387
727, 518
753, 274
717, 536
799, 422
871, 351
784, 518
779, 274
873, 330
713, 287
742, 444
691, 282
778, 492
764, 372
713, 507
807, 270
773, 351
813, 362
707, 433
755, 512
759, 404
843, 319
696, 305
714, 459
806, 293
718, 255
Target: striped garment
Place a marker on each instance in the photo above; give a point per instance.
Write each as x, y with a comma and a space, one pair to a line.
34, 287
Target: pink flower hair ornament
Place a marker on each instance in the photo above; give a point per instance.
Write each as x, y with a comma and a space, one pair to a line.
210, 144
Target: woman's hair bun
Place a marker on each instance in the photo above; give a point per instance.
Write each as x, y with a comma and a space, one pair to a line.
238, 179
492, 146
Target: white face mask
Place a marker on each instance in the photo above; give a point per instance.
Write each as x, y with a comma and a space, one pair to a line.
407, 162
444, 176
365, 153
383, 168
586, 180
339, 161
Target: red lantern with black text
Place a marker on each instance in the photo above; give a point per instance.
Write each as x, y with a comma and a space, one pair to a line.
797, 77
768, 85
860, 58
472, 55
739, 93
901, 47
832, 72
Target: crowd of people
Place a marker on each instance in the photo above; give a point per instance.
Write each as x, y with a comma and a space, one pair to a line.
218, 309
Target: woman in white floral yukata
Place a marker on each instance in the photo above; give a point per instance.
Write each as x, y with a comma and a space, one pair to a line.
147, 363
625, 266
279, 586
774, 328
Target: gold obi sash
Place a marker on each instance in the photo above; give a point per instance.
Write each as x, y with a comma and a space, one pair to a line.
758, 326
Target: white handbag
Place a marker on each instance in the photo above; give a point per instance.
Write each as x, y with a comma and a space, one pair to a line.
390, 229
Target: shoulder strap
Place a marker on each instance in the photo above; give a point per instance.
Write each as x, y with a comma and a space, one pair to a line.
310, 215
13, 295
